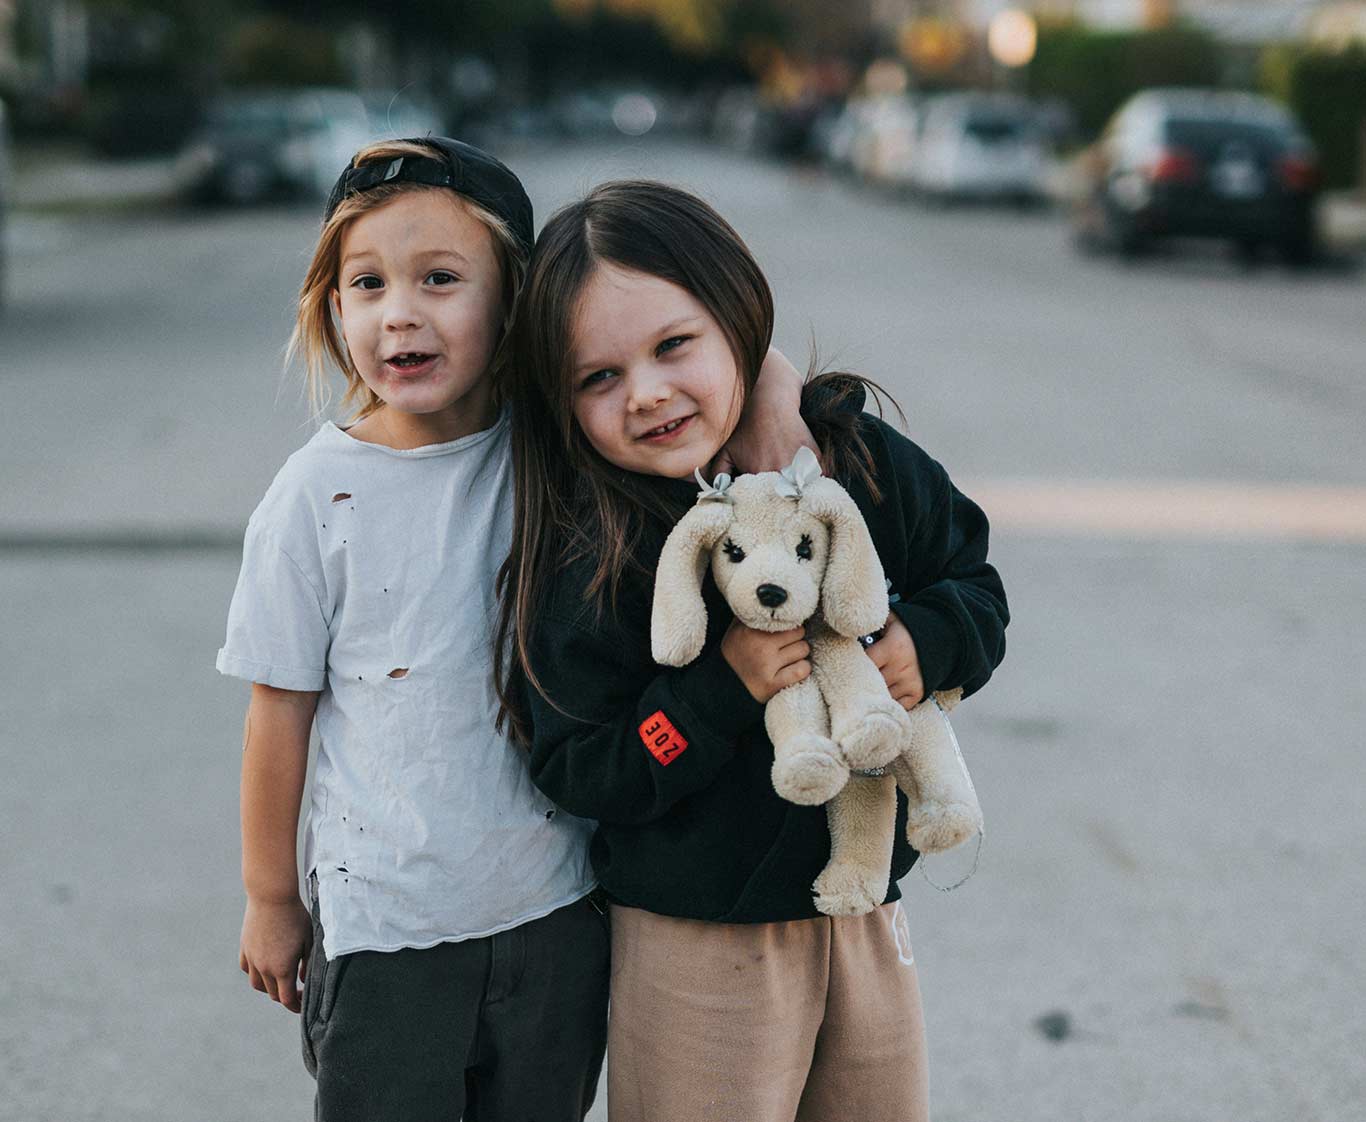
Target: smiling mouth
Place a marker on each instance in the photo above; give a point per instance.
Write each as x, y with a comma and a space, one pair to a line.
666, 429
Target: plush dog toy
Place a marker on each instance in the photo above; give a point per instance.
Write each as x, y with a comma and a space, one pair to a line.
791, 548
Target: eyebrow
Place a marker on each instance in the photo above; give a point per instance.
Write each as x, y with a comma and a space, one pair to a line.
424, 255
664, 332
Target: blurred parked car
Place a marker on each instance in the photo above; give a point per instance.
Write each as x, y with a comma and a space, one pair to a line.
882, 148
1201, 163
396, 116
980, 146
272, 144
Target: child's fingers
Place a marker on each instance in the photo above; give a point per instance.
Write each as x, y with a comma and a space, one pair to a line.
288, 992
792, 674
882, 654
906, 685
258, 983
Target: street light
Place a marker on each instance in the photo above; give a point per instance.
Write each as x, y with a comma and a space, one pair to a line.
1012, 37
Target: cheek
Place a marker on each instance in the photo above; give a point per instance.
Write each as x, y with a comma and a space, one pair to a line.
355, 321
719, 384
596, 418
474, 324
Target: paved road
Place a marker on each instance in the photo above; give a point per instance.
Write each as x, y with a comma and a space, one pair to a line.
1169, 760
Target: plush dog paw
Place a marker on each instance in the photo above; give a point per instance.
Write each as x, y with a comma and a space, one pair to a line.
808, 771
932, 827
847, 889
877, 737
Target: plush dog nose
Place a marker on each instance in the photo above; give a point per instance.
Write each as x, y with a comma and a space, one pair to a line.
770, 595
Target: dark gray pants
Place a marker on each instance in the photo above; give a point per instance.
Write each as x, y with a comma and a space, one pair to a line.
508, 1028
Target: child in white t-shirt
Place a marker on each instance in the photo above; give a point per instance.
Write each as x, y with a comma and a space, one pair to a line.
454, 959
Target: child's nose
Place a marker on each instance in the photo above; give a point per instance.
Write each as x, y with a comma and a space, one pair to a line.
401, 311
647, 390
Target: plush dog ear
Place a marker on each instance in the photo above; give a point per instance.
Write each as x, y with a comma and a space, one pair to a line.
678, 624
853, 589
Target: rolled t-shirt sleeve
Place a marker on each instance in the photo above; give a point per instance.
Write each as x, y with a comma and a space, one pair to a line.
277, 626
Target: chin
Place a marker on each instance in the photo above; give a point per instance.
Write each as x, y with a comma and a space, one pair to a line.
680, 463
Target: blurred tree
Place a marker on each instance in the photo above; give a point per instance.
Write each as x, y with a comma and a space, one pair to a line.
1095, 71
276, 50
147, 65
1327, 91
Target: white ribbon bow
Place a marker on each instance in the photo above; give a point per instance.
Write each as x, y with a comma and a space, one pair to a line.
715, 493
803, 469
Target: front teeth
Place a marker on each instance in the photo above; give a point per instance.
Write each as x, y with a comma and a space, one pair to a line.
667, 428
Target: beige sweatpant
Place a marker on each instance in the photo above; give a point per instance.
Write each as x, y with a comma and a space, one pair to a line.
813, 1020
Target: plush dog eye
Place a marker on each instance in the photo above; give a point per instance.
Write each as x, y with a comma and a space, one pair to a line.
733, 551
804, 548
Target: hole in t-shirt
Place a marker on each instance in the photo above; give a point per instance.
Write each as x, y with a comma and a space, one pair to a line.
341, 496
399, 672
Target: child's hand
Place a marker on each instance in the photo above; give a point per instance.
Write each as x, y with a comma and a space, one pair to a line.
771, 428
894, 654
276, 938
766, 661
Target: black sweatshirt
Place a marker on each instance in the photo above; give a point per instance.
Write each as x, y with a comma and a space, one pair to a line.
703, 835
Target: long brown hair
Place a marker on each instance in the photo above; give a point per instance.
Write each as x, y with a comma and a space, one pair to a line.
571, 504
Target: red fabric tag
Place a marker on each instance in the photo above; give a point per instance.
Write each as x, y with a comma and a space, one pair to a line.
661, 738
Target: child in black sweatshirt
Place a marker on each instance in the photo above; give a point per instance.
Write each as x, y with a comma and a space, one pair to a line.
643, 326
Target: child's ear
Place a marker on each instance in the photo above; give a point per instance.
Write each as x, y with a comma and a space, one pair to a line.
334, 298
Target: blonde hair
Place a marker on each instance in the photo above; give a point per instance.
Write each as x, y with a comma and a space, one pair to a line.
316, 337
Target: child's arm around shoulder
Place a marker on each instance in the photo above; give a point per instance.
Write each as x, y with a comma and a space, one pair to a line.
952, 600
276, 929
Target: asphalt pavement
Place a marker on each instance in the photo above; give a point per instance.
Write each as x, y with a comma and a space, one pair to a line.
1166, 922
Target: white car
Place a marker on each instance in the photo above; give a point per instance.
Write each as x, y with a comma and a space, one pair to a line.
882, 149
981, 146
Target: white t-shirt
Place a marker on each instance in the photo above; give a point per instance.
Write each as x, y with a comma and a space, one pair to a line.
367, 574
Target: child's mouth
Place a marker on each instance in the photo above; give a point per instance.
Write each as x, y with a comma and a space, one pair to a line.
409, 362
666, 431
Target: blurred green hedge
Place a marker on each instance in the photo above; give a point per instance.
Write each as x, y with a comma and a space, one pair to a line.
1094, 71
1327, 91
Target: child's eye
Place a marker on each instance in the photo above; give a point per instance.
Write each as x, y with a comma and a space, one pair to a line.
733, 551
672, 343
597, 378
804, 548
441, 277
367, 281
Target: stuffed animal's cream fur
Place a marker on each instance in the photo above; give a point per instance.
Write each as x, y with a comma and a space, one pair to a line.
788, 549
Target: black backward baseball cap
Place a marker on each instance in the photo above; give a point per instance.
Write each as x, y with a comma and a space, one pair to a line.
462, 167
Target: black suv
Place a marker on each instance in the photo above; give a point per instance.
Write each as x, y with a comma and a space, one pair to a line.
1201, 163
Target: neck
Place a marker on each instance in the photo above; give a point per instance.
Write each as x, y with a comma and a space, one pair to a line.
394, 429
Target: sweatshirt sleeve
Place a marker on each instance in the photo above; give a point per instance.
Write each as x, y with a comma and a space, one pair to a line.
952, 600
624, 739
